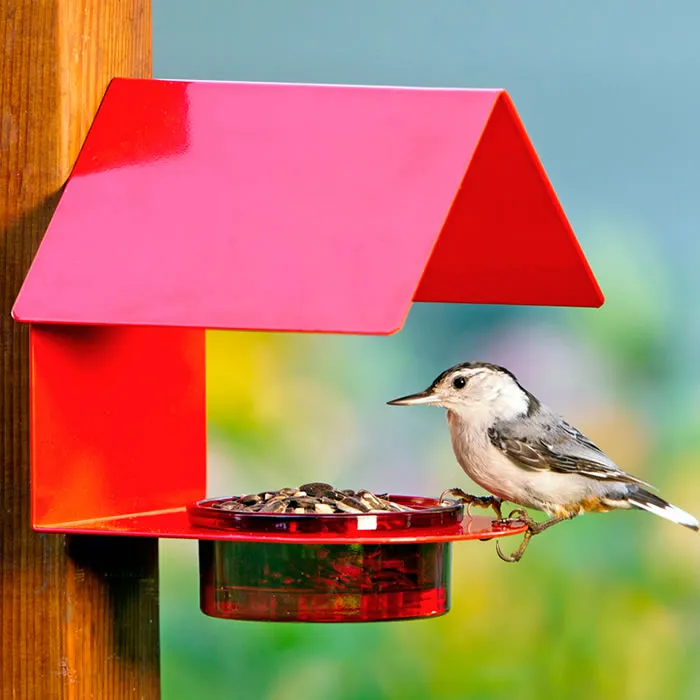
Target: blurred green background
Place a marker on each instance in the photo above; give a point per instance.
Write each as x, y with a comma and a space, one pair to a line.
607, 606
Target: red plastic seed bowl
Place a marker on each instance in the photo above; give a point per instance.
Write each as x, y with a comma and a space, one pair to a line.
312, 568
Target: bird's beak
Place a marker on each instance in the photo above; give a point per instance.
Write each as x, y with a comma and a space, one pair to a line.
423, 397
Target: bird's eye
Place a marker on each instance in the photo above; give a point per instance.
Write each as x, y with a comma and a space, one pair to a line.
459, 382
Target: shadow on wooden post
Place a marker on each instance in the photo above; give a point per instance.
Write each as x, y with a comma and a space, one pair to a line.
79, 617
129, 595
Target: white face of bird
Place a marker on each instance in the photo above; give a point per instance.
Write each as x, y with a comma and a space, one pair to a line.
476, 391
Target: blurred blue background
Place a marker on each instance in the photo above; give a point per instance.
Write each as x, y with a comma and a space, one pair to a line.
606, 606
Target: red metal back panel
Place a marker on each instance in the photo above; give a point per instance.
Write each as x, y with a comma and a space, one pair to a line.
297, 207
118, 421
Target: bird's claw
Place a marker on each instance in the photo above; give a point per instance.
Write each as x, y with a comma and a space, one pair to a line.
517, 555
522, 516
533, 528
480, 501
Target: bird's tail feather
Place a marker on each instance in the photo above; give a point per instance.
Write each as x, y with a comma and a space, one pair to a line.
645, 500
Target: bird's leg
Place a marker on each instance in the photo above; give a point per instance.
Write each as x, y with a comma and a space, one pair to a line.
480, 501
533, 528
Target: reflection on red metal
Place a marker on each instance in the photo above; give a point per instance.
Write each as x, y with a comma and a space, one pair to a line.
266, 207
146, 126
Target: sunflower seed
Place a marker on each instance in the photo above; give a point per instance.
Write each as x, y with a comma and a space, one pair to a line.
316, 497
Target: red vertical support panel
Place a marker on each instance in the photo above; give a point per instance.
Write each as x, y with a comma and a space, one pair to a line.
118, 420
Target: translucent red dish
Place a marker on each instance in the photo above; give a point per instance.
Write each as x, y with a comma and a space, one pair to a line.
319, 582
428, 514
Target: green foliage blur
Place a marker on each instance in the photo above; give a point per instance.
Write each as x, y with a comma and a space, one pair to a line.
606, 606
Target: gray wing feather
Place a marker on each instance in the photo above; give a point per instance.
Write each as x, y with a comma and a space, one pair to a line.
545, 442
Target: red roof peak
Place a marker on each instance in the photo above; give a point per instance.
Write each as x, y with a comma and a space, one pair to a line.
301, 208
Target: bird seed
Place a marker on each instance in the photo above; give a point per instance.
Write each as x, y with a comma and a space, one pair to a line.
313, 498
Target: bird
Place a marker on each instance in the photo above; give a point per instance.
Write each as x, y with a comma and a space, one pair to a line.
517, 449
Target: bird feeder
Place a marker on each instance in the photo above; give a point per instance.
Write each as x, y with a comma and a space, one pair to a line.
268, 207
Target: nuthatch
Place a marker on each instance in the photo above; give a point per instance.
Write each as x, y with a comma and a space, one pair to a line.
518, 450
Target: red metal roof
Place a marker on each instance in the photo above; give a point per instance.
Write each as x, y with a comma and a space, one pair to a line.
301, 208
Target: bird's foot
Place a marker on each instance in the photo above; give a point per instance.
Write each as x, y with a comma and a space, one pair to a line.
520, 515
533, 528
479, 501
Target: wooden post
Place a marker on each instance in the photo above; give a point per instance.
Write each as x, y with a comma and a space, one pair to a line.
78, 616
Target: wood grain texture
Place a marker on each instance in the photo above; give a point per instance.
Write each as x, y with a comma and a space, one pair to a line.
78, 616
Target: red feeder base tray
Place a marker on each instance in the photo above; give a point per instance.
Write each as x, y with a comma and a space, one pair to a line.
331, 568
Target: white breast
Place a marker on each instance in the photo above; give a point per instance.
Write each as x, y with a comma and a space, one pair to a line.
493, 471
